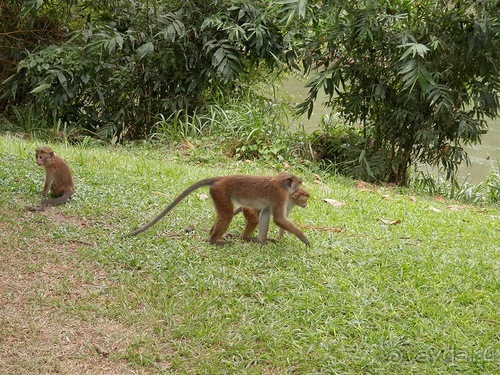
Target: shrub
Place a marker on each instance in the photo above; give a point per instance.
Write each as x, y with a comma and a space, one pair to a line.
132, 61
347, 151
419, 76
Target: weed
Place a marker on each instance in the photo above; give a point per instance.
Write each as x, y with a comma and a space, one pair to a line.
486, 192
25, 120
245, 131
346, 151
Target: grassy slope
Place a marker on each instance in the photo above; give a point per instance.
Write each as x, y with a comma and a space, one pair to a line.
420, 296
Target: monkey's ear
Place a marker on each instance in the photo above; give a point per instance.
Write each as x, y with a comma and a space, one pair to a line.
51, 153
288, 183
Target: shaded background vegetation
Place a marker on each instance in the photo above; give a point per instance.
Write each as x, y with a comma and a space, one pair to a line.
412, 82
126, 62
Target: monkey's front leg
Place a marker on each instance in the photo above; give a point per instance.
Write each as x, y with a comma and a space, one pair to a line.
46, 186
264, 217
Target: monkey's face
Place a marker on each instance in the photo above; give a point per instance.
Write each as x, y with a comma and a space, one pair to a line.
39, 158
300, 197
42, 154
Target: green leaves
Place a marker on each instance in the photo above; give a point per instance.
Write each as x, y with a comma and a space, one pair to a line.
115, 42
413, 49
40, 88
440, 99
414, 71
407, 71
132, 61
174, 27
290, 9
145, 49
225, 58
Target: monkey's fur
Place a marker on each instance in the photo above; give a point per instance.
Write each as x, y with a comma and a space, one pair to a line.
269, 195
299, 198
58, 179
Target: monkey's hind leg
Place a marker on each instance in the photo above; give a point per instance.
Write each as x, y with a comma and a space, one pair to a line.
224, 208
252, 221
219, 228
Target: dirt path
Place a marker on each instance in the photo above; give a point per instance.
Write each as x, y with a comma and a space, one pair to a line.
44, 326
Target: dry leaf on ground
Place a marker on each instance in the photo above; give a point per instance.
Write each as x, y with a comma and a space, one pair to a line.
434, 209
333, 202
389, 222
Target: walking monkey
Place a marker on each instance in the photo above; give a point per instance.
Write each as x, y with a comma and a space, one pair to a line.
269, 195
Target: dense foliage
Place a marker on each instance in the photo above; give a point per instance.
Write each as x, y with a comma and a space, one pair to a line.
131, 61
21, 31
414, 81
418, 78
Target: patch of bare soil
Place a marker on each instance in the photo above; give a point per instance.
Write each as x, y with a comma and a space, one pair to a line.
42, 330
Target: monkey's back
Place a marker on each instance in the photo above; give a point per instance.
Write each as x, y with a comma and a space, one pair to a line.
247, 191
63, 181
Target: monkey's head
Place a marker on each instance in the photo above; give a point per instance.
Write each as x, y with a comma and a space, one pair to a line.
289, 181
42, 154
300, 197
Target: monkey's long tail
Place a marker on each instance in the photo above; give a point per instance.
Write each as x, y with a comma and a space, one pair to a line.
51, 202
184, 194
57, 201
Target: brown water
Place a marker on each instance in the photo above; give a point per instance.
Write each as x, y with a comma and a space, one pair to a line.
484, 157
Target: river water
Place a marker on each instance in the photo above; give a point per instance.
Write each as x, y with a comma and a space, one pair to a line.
484, 157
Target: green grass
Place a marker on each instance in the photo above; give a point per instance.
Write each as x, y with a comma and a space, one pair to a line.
420, 297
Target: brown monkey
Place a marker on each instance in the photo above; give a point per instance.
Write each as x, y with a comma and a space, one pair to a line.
299, 198
57, 178
270, 195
